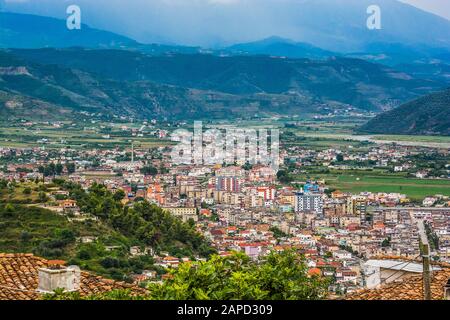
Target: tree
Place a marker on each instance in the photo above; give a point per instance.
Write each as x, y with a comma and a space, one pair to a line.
110, 262
280, 276
59, 169
25, 236
9, 210
70, 167
42, 197
49, 170
119, 195
247, 166
284, 177
149, 171
277, 233
3, 184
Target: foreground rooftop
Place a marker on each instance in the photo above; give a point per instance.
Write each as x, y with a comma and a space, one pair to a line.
19, 279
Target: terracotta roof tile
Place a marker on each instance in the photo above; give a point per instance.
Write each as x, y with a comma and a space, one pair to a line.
410, 288
19, 279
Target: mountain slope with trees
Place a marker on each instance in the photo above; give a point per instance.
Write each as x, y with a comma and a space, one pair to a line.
25, 228
428, 115
62, 82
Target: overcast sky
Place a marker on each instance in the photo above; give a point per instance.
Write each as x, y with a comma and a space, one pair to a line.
194, 22
439, 7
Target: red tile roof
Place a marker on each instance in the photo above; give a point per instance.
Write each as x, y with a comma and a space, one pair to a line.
407, 289
19, 279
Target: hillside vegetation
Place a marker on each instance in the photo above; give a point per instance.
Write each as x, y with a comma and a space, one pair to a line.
279, 276
429, 115
60, 83
26, 228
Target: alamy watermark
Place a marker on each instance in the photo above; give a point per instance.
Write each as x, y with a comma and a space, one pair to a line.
374, 20
226, 146
73, 21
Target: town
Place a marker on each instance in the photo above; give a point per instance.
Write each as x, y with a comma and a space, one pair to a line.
339, 227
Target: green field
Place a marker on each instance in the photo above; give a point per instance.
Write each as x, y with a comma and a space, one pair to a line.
437, 139
416, 189
17, 194
76, 138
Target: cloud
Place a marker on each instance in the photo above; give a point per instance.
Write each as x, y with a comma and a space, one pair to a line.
210, 22
439, 7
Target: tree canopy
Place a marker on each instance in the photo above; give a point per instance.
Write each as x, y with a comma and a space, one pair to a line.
279, 276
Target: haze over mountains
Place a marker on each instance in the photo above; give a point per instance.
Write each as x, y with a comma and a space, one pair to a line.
30, 31
334, 25
346, 67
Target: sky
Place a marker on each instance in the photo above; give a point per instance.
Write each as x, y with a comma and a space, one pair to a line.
439, 7
195, 22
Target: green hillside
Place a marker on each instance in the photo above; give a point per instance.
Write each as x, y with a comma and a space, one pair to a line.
355, 82
31, 31
429, 115
25, 228
61, 83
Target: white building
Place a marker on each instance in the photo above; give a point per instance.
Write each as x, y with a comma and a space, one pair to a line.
308, 203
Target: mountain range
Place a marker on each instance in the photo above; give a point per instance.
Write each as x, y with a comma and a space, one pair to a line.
333, 25
279, 47
31, 31
30, 90
205, 84
54, 72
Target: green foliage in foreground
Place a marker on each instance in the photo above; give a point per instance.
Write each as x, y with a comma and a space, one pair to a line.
147, 224
280, 276
29, 229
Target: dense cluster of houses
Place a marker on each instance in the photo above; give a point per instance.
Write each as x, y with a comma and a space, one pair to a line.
246, 208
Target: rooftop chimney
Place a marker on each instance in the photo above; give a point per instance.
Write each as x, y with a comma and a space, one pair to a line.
57, 276
447, 290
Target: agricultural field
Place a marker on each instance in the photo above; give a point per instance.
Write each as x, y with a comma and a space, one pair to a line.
415, 189
342, 134
21, 193
75, 136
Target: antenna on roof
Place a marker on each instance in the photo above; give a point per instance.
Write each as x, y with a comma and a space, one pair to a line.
425, 252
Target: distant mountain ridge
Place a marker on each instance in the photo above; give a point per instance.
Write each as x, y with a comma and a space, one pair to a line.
26, 31
334, 25
30, 90
92, 70
64, 81
280, 47
429, 115
354, 82
31, 31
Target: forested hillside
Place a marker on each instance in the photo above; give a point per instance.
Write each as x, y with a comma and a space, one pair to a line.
429, 115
